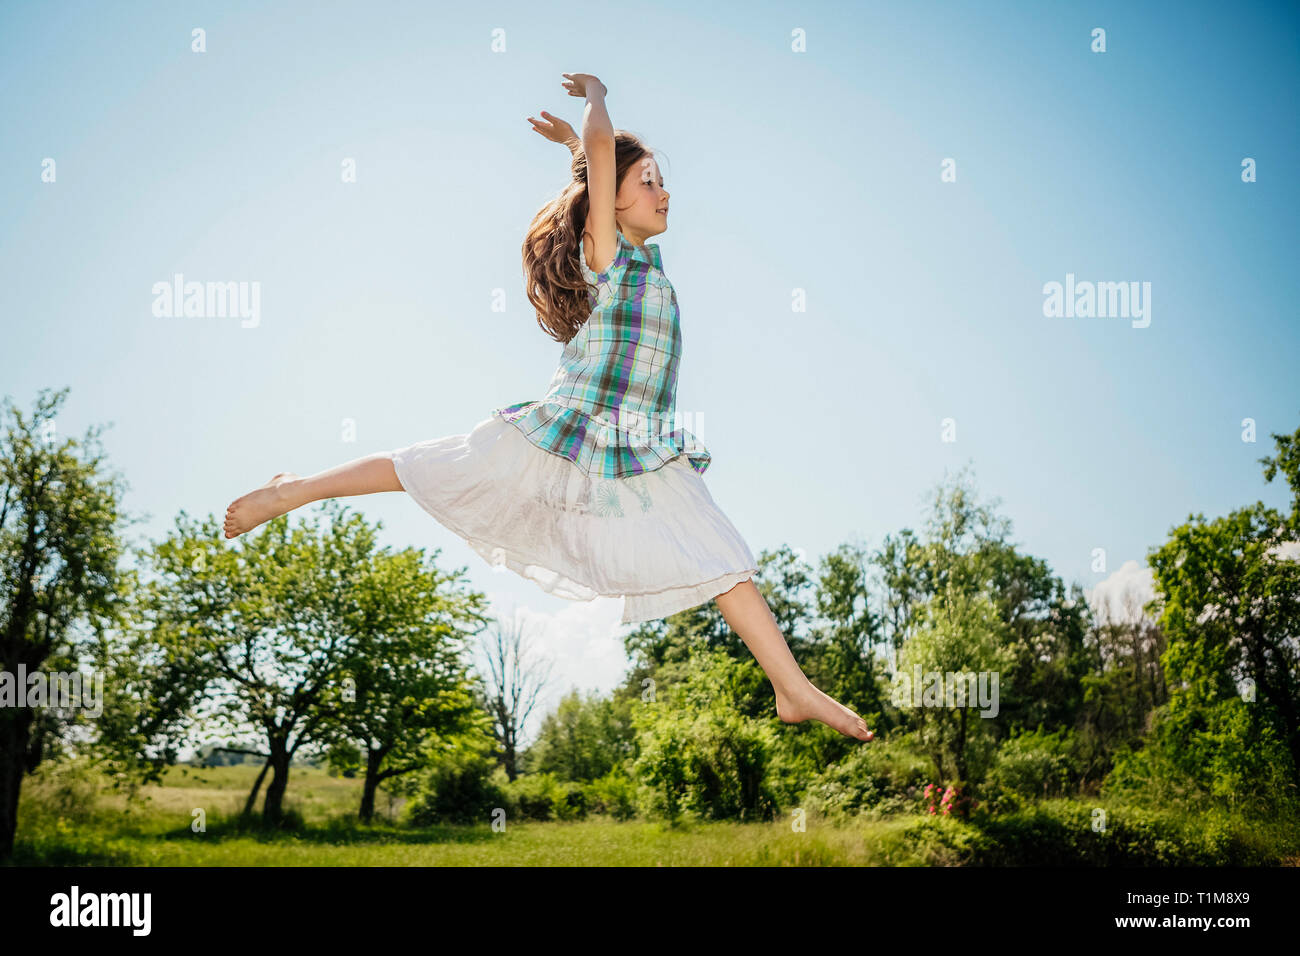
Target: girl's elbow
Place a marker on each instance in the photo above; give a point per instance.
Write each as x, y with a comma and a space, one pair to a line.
597, 139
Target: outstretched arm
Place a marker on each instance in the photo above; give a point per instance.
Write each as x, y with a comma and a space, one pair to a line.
598, 145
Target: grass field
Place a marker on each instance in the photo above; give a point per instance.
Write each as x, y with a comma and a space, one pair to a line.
72, 821
60, 828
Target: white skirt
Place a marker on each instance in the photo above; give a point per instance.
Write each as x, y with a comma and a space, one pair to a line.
656, 539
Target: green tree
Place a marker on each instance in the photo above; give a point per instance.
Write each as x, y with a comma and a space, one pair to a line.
1124, 685
60, 585
276, 627
842, 645
957, 633
1045, 624
584, 738
407, 687
901, 560
1228, 597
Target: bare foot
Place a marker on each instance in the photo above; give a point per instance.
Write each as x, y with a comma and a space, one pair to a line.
262, 504
812, 704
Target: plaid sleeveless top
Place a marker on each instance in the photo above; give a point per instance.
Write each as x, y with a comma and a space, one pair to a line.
611, 405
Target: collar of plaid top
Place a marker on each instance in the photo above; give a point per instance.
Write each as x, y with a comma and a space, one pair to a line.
647, 253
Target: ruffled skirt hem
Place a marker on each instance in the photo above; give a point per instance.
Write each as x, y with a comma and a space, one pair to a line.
656, 539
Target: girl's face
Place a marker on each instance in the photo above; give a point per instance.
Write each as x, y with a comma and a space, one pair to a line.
642, 201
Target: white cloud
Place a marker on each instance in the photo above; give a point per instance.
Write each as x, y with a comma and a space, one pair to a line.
1123, 594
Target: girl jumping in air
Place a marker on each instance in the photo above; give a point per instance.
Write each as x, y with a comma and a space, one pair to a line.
589, 491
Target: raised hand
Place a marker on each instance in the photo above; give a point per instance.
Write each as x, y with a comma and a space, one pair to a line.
577, 83
555, 129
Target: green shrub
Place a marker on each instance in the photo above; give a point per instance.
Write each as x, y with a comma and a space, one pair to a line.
1031, 766
726, 763
942, 841
529, 796
543, 796
699, 750
661, 764
1074, 833
569, 800
1221, 755
877, 779
460, 790
614, 794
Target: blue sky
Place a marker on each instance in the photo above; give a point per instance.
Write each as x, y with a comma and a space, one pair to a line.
818, 171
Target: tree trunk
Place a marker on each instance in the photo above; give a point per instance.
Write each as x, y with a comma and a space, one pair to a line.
373, 759
15, 726
273, 808
508, 757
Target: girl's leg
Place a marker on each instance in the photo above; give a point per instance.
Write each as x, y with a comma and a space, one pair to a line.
286, 491
747, 613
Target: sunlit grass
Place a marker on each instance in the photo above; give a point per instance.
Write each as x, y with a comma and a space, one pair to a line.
589, 842
75, 822
154, 829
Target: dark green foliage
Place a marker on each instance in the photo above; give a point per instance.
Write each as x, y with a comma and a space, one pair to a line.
699, 754
615, 795
882, 779
459, 790
1226, 754
1065, 833
1034, 765
546, 796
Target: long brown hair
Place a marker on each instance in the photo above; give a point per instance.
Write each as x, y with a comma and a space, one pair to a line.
553, 278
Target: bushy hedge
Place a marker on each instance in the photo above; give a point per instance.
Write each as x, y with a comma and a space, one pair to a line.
543, 796
709, 763
1031, 766
1074, 833
889, 776
876, 779
1221, 755
469, 788
614, 795
1062, 833
463, 790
